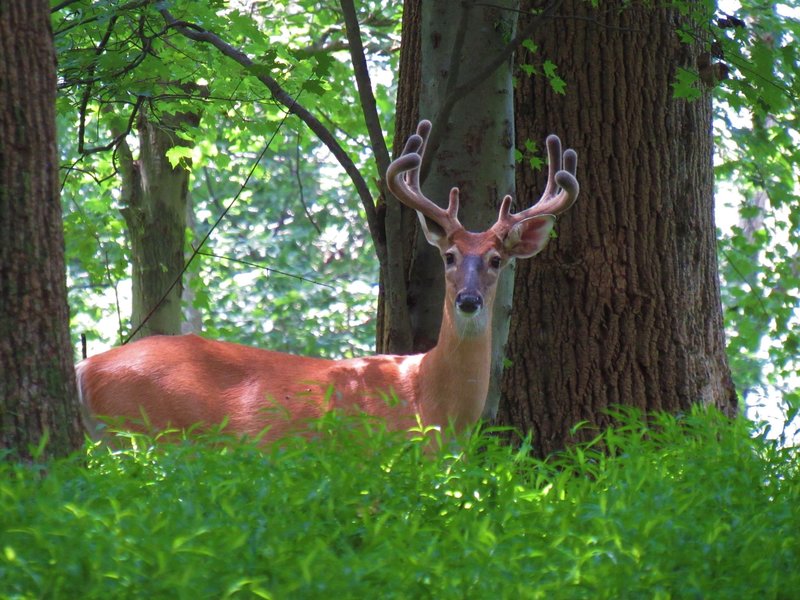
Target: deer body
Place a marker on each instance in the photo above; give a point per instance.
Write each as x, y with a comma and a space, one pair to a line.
179, 382
156, 379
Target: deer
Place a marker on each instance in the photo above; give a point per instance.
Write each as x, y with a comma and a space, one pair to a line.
182, 382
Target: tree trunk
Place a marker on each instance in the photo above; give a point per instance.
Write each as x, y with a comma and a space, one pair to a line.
155, 197
394, 335
38, 398
623, 307
471, 146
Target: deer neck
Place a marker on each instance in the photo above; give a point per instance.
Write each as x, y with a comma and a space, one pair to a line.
454, 375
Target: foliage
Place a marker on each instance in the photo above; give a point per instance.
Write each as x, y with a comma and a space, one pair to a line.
758, 147
688, 506
752, 64
296, 215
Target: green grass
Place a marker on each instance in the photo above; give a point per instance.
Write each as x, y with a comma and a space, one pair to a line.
685, 508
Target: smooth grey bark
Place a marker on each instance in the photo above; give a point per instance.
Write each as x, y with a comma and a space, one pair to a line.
471, 147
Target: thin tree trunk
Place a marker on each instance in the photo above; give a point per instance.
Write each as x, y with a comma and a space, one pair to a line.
394, 335
623, 307
155, 195
38, 397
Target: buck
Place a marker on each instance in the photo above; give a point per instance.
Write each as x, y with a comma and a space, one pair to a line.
181, 381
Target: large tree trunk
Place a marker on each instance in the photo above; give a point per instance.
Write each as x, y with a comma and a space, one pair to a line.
471, 146
623, 307
37, 382
155, 196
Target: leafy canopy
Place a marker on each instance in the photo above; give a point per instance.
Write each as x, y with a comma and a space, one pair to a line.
119, 60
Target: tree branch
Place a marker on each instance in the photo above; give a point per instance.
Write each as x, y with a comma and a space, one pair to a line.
117, 137
87, 93
298, 176
198, 34
364, 84
62, 5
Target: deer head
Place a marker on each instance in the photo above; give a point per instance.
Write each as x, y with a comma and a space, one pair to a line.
473, 261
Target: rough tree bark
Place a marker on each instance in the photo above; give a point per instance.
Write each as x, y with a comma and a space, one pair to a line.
37, 382
623, 307
155, 197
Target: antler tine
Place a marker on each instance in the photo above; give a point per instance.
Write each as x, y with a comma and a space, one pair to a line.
423, 131
561, 190
402, 178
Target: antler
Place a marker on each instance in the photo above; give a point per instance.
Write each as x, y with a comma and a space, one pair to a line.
402, 177
561, 191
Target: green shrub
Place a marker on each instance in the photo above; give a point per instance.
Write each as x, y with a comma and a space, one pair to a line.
689, 507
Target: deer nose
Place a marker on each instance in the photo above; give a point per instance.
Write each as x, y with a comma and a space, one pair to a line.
469, 302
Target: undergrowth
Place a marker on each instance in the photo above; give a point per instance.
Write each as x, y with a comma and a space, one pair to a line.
685, 507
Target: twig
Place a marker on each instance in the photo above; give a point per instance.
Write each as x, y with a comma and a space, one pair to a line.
117, 138
297, 163
266, 268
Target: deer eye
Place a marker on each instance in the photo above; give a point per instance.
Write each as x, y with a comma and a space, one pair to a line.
449, 259
495, 262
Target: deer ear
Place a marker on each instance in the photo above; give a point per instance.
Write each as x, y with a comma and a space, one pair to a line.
434, 233
529, 237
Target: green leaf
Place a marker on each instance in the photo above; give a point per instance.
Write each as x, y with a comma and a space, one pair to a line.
550, 70
324, 64
178, 155
316, 87
686, 84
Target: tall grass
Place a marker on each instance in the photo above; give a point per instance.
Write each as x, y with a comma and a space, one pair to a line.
689, 507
